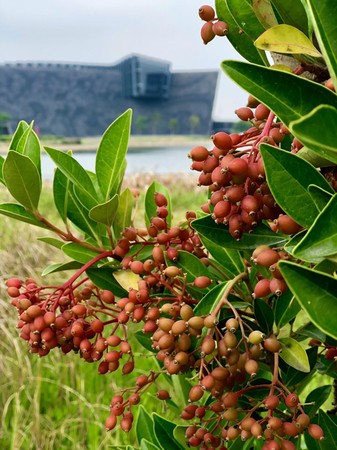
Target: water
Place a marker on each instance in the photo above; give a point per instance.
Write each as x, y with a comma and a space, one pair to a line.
156, 160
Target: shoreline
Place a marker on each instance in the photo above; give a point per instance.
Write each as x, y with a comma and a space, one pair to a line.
136, 142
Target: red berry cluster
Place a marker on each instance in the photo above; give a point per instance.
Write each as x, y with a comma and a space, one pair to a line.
234, 173
212, 26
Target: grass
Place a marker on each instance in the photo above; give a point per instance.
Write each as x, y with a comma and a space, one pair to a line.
60, 402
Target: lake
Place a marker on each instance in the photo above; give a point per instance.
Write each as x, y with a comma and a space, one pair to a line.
157, 160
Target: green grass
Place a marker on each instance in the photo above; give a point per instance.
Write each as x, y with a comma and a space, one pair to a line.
60, 402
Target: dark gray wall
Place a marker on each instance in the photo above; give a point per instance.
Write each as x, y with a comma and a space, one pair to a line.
73, 100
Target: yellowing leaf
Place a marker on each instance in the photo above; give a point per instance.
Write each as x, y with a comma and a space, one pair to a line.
127, 279
286, 39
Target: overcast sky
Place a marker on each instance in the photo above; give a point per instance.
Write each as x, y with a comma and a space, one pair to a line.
103, 31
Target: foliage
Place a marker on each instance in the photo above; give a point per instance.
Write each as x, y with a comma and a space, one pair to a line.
214, 300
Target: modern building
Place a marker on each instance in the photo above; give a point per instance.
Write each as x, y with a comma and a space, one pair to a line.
83, 99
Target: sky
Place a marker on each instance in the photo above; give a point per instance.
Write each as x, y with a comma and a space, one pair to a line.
104, 31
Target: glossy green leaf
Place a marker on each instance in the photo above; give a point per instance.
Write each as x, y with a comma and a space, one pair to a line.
320, 196
264, 13
230, 261
316, 398
292, 377
210, 300
244, 15
308, 130
293, 13
240, 41
316, 292
190, 265
29, 145
151, 207
329, 425
60, 193
73, 170
219, 234
314, 158
288, 178
145, 427
147, 445
78, 252
286, 308
22, 179
267, 85
321, 239
60, 267
322, 14
286, 39
103, 278
294, 354
264, 315
79, 216
105, 212
111, 153
124, 212
309, 330
179, 434
163, 430
20, 129
293, 241
18, 212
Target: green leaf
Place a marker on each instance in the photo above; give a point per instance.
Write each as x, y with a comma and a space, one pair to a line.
60, 267
145, 427
240, 41
104, 279
288, 178
147, 445
219, 234
124, 213
2, 160
286, 39
316, 398
52, 241
230, 261
105, 212
151, 207
179, 434
265, 13
245, 17
111, 153
60, 192
321, 239
329, 425
315, 292
308, 129
319, 196
73, 170
286, 308
267, 85
264, 315
309, 330
29, 145
293, 377
18, 212
78, 252
145, 340
313, 158
293, 241
22, 179
20, 129
322, 17
163, 430
210, 300
294, 354
293, 13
